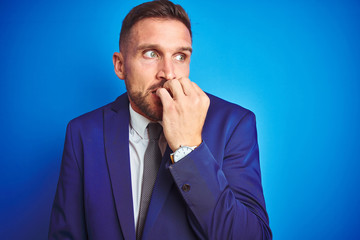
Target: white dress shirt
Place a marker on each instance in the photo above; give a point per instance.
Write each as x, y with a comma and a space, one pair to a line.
138, 142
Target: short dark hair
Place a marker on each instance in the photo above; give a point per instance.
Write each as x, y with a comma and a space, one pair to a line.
154, 9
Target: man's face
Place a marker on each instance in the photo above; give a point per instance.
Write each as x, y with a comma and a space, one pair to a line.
157, 50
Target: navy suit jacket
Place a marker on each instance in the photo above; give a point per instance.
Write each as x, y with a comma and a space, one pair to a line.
214, 192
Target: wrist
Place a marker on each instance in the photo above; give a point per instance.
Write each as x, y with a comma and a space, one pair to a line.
193, 143
181, 152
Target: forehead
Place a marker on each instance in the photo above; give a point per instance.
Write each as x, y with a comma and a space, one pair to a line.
166, 33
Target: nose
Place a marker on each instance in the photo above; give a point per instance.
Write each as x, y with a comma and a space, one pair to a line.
166, 69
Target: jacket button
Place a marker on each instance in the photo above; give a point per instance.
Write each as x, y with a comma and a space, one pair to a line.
185, 187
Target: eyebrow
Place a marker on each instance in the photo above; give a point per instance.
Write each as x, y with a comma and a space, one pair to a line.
156, 46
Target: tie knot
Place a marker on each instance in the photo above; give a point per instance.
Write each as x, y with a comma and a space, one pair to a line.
154, 130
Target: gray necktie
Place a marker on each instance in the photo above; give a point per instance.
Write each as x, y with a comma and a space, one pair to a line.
152, 160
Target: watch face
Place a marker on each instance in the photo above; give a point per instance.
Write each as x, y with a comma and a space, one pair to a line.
181, 152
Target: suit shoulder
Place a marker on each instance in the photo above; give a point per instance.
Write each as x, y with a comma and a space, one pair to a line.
221, 107
96, 116
93, 115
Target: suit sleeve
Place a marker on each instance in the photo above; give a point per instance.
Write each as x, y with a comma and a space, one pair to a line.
67, 216
225, 196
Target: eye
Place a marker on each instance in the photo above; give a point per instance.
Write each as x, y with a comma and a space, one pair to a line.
150, 54
180, 57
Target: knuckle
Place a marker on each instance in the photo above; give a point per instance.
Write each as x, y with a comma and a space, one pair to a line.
205, 100
173, 82
184, 79
161, 91
196, 101
169, 82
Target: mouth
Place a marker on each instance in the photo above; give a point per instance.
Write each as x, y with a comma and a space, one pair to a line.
153, 93
156, 86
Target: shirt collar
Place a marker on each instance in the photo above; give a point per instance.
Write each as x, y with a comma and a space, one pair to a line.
138, 123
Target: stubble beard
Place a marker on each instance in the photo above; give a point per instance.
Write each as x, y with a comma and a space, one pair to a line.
145, 102
142, 101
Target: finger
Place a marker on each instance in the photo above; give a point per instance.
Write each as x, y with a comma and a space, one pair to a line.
175, 88
197, 89
164, 96
186, 86
205, 98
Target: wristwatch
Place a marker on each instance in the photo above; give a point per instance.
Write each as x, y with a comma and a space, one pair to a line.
181, 152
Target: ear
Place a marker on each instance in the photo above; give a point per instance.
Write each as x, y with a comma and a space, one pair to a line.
118, 61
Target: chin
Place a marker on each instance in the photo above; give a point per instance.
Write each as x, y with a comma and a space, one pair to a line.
149, 106
155, 114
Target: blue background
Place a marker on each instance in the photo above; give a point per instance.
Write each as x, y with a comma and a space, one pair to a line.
295, 64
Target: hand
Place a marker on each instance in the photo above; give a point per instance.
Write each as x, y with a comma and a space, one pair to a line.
185, 107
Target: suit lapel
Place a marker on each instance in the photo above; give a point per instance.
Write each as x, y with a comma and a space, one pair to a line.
116, 134
162, 187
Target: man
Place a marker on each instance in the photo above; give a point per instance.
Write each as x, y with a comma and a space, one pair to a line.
207, 183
